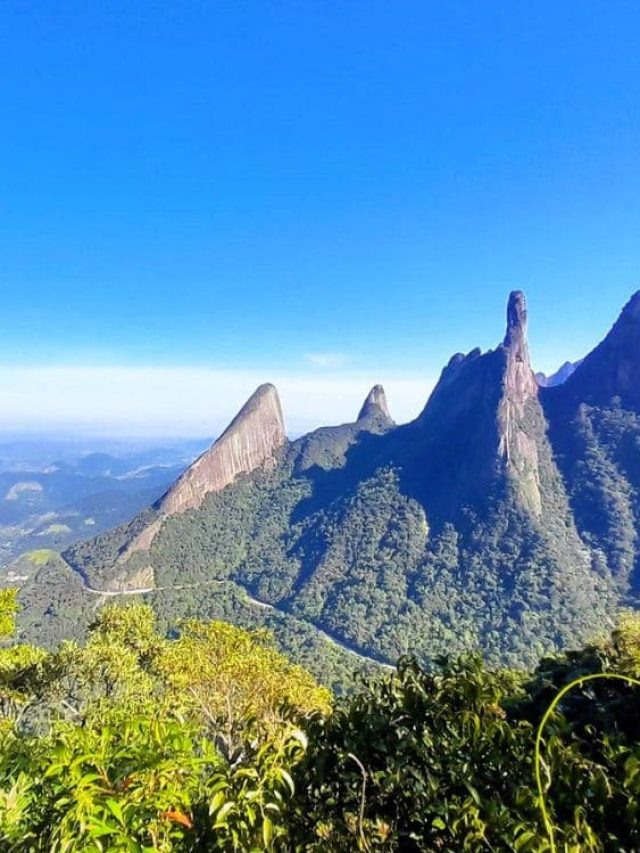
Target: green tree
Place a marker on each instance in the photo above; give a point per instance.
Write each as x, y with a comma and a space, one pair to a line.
8, 610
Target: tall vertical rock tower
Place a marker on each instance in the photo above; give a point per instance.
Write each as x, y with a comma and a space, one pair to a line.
483, 423
375, 406
519, 414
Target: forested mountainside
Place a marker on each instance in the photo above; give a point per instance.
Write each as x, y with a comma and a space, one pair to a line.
504, 517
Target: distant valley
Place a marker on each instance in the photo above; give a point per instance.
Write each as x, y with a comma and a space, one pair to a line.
54, 492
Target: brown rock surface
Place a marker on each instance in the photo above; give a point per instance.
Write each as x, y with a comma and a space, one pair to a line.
517, 445
375, 404
249, 442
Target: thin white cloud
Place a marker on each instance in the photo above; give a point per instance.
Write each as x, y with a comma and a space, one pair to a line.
157, 401
325, 359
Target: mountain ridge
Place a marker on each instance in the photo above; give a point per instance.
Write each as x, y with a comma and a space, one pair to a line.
471, 526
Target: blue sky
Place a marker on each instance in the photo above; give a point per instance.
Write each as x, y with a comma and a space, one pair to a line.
317, 193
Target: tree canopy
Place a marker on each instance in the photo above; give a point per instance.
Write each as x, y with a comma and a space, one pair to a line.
213, 740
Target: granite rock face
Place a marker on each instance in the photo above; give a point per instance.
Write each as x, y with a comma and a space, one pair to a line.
375, 405
610, 370
485, 419
519, 408
249, 442
519, 380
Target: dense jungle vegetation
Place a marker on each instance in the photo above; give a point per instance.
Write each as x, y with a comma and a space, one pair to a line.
211, 740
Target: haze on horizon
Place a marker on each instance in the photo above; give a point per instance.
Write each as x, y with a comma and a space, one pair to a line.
198, 199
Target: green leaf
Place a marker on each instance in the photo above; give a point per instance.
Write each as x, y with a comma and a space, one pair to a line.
524, 839
116, 811
267, 832
216, 802
473, 792
286, 776
224, 811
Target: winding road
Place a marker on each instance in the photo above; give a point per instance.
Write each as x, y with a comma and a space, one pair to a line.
347, 647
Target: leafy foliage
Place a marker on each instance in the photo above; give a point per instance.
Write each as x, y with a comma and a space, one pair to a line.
8, 610
443, 761
214, 741
418, 762
56, 606
135, 742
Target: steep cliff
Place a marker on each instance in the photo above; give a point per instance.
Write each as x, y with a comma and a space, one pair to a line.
594, 420
520, 422
483, 421
249, 442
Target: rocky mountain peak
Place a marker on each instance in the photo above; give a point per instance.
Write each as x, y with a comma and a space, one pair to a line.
484, 417
516, 320
249, 442
262, 408
519, 404
375, 404
456, 364
519, 380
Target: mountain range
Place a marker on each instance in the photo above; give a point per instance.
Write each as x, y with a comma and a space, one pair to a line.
559, 376
55, 491
504, 517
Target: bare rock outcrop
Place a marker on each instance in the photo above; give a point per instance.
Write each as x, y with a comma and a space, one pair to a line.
249, 442
375, 405
519, 404
483, 420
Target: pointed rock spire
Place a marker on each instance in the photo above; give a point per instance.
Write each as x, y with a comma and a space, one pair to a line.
483, 416
516, 319
375, 404
519, 404
520, 381
250, 441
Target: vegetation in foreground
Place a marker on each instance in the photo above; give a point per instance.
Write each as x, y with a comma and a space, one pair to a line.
214, 741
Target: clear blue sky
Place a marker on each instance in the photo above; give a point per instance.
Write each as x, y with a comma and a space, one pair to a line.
292, 185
